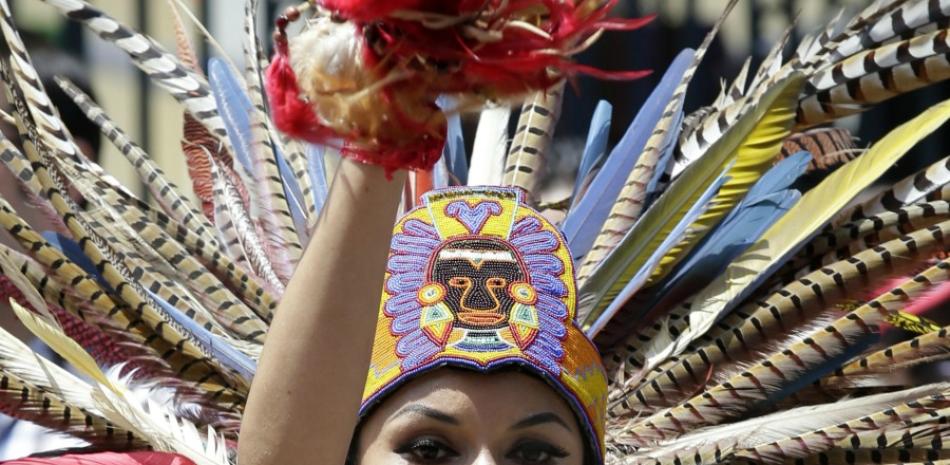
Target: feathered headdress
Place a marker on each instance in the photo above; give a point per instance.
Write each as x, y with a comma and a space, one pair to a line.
738, 308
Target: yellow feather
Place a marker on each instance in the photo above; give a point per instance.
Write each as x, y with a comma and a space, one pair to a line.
646, 236
67, 348
812, 212
754, 157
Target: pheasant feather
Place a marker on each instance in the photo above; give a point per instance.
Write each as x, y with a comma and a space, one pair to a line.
118, 404
533, 138
763, 379
184, 85
811, 213
36, 390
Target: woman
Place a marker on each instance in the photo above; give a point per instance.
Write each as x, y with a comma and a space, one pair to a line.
458, 294
475, 354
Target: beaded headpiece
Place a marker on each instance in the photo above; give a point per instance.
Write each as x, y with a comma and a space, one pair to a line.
478, 280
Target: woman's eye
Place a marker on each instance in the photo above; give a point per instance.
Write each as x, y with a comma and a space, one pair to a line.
427, 451
536, 453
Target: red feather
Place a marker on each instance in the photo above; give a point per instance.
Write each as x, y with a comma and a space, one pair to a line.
295, 117
496, 49
197, 144
107, 458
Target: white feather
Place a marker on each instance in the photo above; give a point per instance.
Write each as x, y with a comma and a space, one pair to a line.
19, 360
155, 423
490, 148
789, 423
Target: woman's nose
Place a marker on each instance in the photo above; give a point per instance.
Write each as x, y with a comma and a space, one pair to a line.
485, 457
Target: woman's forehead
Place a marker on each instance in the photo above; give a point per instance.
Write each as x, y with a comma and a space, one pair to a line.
497, 395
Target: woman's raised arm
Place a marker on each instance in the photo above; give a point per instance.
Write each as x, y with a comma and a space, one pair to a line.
305, 397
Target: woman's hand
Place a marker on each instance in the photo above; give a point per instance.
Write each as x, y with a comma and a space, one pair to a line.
305, 398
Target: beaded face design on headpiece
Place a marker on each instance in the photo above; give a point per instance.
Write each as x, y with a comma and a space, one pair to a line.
476, 279
479, 287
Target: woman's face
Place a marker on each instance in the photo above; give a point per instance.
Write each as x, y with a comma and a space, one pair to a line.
460, 418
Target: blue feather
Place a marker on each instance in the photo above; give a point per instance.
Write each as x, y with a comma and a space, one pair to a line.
456, 160
294, 196
440, 175
673, 238
317, 171
583, 222
74, 252
595, 150
223, 353
234, 106
778, 262
767, 201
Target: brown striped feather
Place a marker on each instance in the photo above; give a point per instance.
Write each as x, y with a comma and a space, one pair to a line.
758, 381
741, 334
533, 138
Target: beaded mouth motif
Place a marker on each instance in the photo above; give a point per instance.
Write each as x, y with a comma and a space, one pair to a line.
476, 279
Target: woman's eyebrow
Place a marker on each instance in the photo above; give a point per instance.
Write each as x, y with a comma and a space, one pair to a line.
539, 419
428, 412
